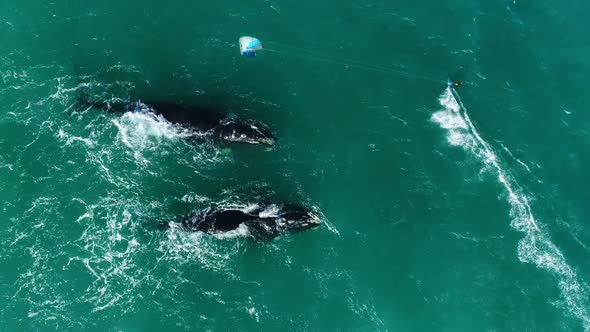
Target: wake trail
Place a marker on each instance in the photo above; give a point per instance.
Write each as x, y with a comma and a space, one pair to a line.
536, 246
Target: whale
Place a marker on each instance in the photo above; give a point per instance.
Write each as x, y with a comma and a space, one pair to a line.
261, 222
223, 127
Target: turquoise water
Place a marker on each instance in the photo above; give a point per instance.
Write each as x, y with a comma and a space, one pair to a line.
442, 211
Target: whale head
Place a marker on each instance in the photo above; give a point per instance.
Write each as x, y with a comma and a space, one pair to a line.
244, 131
297, 219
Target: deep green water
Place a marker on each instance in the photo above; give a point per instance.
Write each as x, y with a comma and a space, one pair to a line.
437, 217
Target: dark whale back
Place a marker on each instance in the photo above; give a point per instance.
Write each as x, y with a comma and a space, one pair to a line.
201, 118
217, 221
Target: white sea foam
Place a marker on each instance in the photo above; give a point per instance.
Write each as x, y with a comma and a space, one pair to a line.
98, 253
241, 232
536, 247
190, 247
69, 139
141, 130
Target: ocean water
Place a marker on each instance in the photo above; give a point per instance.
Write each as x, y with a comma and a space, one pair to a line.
442, 210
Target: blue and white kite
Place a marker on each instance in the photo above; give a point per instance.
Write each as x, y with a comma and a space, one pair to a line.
249, 46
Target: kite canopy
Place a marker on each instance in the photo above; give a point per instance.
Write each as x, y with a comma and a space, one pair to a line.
249, 46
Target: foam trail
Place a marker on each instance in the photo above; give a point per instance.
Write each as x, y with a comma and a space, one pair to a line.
535, 247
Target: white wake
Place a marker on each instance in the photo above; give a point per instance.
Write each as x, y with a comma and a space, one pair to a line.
535, 247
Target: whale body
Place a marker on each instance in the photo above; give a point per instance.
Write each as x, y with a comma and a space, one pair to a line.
224, 128
261, 222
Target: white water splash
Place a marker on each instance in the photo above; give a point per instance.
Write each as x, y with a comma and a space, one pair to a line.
535, 247
188, 247
269, 212
143, 130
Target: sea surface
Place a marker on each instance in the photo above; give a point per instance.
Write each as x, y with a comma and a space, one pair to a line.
442, 210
